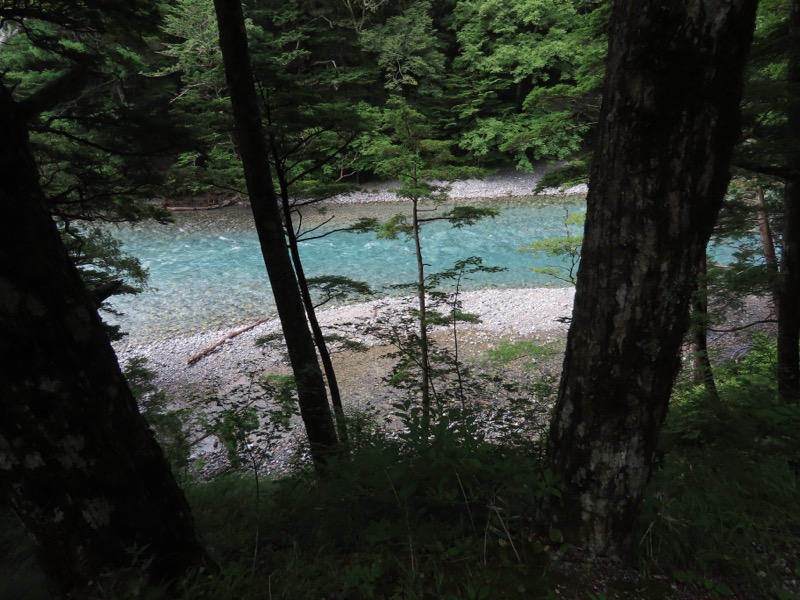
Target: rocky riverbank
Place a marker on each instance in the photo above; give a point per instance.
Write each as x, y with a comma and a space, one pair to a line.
502, 312
505, 183
229, 376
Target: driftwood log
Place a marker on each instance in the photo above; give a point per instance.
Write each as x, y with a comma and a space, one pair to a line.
194, 208
208, 202
209, 349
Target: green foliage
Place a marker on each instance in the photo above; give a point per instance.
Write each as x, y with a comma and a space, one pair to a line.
529, 75
461, 271
346, 343
567, 247
573, 173
391, 524
246, 429
723, 458
93, 124
407, 51
746, 271
233, 427
336, 288
408, 150
222, 509
282, 390
20, 572
269, 338
397, 517
96, 123
507, 352
420, 361
308, 72
766, 142
462, 216
394, 226
192, 46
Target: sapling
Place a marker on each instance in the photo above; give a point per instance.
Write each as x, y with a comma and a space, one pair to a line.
408, 152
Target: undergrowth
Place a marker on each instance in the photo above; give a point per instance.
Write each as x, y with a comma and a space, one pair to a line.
722, 513
458, 516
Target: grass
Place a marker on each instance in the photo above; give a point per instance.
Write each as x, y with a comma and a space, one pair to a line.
441, 522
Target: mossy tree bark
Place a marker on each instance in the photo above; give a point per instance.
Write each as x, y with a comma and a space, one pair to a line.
311, 391
78, 463
668, 125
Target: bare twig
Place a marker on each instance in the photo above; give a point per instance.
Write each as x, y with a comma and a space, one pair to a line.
742, 327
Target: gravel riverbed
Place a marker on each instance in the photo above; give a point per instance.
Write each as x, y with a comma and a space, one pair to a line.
230, 375
502, 313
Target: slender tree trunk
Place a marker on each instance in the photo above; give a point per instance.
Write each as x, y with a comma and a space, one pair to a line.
78, 463
765, 232
424, 349
316, 328
789, 298
789, 293
667, 129
703, 371
312, 397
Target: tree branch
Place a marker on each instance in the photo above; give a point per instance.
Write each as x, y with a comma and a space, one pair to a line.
742, 327
54, 92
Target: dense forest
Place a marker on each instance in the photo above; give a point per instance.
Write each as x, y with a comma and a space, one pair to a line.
648, 458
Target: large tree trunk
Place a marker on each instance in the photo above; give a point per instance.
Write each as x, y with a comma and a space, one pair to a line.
789, 292
77, 461
667, 128
312, 397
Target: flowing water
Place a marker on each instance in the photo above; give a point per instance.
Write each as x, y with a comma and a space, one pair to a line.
206, 269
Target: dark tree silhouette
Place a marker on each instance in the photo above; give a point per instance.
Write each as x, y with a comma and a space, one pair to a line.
311, 391
78, 463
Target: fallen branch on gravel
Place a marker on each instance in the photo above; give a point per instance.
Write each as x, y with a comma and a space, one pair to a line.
743, 327
209, 349
194, 208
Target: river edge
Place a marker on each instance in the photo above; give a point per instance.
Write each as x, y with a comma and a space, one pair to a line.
504, 312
